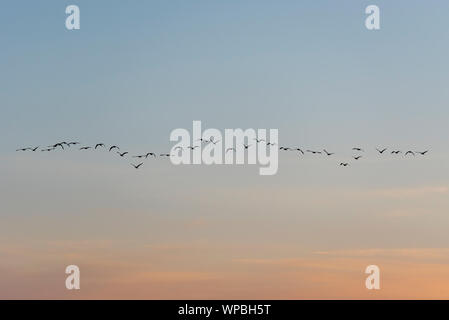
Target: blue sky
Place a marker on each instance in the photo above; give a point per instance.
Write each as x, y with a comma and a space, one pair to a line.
137, 70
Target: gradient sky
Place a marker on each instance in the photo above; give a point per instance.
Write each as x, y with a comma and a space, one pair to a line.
137, 70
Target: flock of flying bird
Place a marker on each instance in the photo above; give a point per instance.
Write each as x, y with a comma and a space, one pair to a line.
357, 150
98, 145
115, 148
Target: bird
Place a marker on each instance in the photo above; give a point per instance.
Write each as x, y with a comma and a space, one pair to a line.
113, 147
246, 146
423, 153
34, 149
328, 153
214, 142
410, 152
137, 166
300, 150
49, 149
357, 158
381, 151
271, 143
145, 155
99, 145
122, 154
85, 148
23, 149
259, 140
285, 148
357, 149
150, 154
74, 143
313, 152
202, 140
344, 164
56, 145
229, 149
396, 152
164, 155
192, 147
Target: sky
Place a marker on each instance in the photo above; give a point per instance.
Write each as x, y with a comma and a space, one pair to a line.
137, 70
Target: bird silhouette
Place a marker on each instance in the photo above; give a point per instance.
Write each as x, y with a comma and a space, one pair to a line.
396, 152
99, 145
357, 149
150, 154
422, 153
259, 140
49, 149
72, 143
34, 149
229, 149
85, 148
313, 152
247, 146
410, 152
357, 158
56, 145
344, 164
300, 150
164, 155
192, 147
328, 153
271, 143
381, 151
23, 149
113, 147
122, 154
145, 155
137, 166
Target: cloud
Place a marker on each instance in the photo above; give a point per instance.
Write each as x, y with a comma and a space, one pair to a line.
411, 192
396, 253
